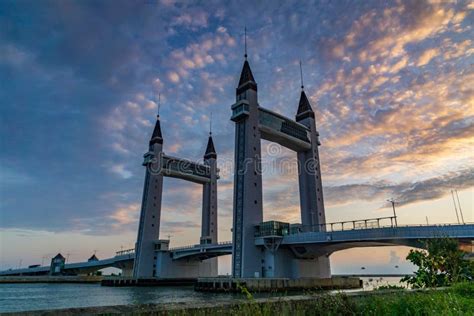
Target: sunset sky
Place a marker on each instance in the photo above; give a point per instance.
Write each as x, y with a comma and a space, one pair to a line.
391, 83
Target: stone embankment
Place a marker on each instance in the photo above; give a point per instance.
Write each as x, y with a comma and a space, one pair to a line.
51, 279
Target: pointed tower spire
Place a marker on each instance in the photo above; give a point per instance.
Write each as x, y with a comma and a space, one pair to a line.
304, 107
156, 137
246, 74
210, 149
247, 80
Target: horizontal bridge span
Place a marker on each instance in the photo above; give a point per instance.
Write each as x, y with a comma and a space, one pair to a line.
304, 245
284, 131
313, 244
202, 251
185, 169
77, 267
180, 168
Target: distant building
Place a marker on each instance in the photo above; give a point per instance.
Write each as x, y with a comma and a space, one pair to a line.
93, 258
57, 265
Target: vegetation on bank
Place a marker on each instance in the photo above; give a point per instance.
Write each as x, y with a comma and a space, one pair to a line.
440, 263
456, 300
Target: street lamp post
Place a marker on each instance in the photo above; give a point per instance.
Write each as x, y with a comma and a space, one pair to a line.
392, 201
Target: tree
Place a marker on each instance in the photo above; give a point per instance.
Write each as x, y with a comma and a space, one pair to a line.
440, 264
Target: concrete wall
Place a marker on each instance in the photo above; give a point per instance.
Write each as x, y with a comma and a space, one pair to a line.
283, 264
166, 267
149, 226
248, 211
209, 226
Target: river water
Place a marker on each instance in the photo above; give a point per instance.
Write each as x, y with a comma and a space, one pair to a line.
24, 297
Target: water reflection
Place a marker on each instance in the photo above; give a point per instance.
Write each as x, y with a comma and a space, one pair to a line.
23, 297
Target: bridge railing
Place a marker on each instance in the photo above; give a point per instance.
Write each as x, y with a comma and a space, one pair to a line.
413, 232
125, 252
184, 247
367, 224
274, 228
222, 243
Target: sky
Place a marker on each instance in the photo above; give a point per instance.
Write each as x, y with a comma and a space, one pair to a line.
391, 84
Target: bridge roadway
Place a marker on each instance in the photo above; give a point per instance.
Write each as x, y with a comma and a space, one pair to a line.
303, 245
314, 244
124, 259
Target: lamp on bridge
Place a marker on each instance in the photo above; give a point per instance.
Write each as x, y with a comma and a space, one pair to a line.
392, 201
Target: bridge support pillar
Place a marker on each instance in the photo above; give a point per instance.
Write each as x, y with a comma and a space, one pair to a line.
149, 226
209, 198
310, 184
283, 264
167, 268
311, 268
127, 272
247, 208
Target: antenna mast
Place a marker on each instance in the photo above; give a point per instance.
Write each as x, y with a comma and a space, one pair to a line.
210, 125
301, 76
159, 103
245, 41
393, 202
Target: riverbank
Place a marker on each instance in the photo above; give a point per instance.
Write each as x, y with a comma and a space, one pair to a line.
458, 300
276, 284
51, 279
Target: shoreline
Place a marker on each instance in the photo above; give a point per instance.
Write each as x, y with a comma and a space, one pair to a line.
213, 307
98, 279
51, 279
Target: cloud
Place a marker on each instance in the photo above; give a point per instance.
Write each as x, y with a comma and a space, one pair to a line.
399, 65
86, 101
10, 177
404, 193
125, 214
121, 171
193, 19
178, 226
173, 77
427, 55
458, 49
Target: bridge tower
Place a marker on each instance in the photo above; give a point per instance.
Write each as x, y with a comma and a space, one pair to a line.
209, 197
150, 214
311, 188
152, 255
248, 212
253, 123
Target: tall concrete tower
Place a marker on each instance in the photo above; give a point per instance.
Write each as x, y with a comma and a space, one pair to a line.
311, 188
209, 197
248, 212
149, 226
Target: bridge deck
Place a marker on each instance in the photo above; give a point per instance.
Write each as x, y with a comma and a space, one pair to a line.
313, 243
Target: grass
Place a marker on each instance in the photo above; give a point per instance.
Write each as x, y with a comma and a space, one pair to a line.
457, 300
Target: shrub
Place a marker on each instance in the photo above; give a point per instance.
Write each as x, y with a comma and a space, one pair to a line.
441, 264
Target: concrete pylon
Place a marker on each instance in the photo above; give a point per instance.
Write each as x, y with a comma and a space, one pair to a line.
311, 192
311, 188
247, 207
150, 215
209, 197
